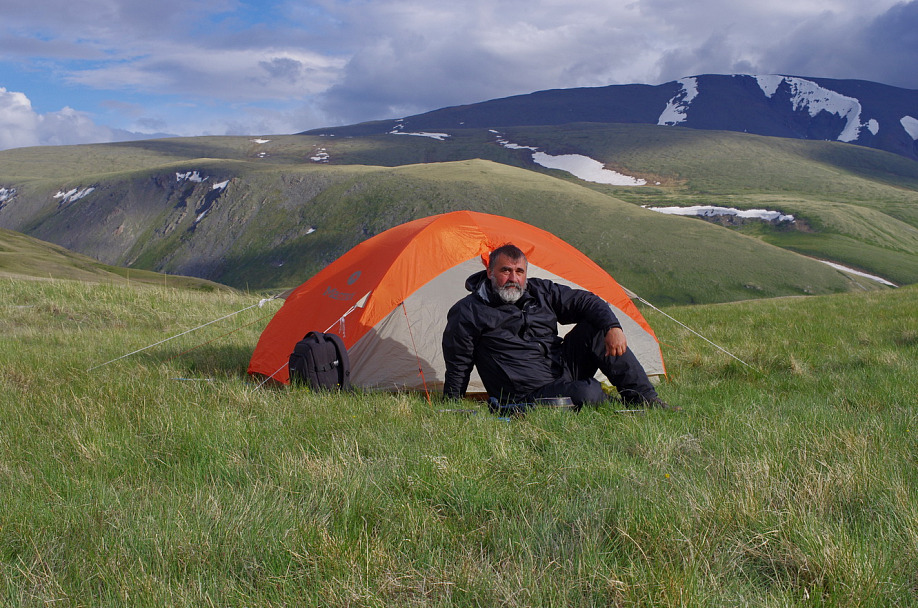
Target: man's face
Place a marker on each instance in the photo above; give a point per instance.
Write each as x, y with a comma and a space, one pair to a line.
508, 278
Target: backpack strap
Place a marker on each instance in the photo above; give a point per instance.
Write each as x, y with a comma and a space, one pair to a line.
344, 364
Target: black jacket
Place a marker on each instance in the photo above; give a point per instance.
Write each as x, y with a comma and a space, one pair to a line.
515, 347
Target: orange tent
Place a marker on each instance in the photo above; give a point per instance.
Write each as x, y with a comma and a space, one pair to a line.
388, 297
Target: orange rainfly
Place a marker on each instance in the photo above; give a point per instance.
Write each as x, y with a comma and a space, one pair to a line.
388, 297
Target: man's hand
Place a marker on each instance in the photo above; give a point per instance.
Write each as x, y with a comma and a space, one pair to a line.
615, 342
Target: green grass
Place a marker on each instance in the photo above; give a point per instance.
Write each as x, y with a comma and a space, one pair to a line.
854, 253
168, 478
24, 257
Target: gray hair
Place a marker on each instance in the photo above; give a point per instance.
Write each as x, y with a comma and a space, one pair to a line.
510, 250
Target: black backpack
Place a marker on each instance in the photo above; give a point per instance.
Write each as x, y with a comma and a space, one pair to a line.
320, 360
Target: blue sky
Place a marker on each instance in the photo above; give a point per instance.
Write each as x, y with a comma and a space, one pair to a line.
80, 71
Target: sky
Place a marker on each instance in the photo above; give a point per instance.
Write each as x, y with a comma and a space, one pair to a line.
86, 71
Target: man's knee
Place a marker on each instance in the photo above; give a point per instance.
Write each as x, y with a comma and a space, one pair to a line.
581, 392
587, 392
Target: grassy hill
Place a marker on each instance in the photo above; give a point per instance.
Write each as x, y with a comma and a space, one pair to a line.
24, 257
169, 478
281, 215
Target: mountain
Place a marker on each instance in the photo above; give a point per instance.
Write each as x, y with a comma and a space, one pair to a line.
851, 111
267, 212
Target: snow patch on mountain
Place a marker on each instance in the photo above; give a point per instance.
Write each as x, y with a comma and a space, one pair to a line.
758, 214
71, 196
677, 109
910, 125
713, 211
809, 96
582, 167
398, 130
769, 83
209, 201
437, 136
321, 156
585, 168
191, 176
872, 277
510, 145
7, 194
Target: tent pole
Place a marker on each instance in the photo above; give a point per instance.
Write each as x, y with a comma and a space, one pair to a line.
416, 356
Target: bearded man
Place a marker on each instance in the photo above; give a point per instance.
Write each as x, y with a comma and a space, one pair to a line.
507, 328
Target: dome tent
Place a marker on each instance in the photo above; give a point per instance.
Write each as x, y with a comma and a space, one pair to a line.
387, 298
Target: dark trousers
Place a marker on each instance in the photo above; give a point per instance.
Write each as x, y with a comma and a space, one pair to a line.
583, 353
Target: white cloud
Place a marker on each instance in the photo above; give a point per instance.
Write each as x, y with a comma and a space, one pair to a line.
21, 126
68, 126
18, 123
227, 74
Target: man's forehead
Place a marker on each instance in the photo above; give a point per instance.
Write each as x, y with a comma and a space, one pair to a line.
505, 261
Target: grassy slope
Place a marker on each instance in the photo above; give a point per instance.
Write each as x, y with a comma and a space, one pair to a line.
793, 485
24, 257
670, 266
848, 193
261, 231
66, 163
861, 204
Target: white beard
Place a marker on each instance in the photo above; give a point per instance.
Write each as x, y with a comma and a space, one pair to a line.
510, 292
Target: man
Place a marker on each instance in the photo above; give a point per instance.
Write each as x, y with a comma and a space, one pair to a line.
507, 327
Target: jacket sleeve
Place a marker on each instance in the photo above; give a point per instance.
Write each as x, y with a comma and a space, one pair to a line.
459, 340
578, 305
